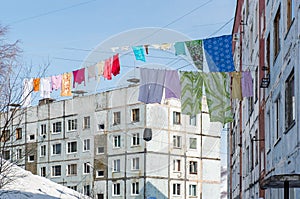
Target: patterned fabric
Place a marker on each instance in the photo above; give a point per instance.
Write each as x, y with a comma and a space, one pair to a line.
218, 97
179, 48
139, 53
218, 53
247, 84
66, 85
191, 92
196, 52
236, 92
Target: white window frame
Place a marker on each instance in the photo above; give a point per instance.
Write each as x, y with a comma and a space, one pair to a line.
176, 189
99, 148
135, 115
97, 174
43, 129
116, 117
72, 169
117, 141
43, 149
116, 165
193, 120
177, 141
29, 158
43, 171
191, 140
193, 167
135, 163
86, 168
86, 145
19, 154
135, 140
72, 125
86, 122
53, 171
192, 190
116, 189
70, 147
54, 146
56, 127
176, 118
177, 165
135, 188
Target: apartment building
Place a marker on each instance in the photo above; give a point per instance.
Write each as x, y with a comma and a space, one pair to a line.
264, 140
110, 145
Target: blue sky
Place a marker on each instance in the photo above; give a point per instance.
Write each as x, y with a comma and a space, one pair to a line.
48, 29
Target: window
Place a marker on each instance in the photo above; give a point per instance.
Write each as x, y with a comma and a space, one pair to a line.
87, 190
176, 189
19, 154
176, 117
290, 101
250, 105
99, 173
43, 150
72, 147
193, 190
5, 135
193, 120
116, 118
101, 126
135, 188
256, 84
116, 189
176, 165
32, 137
72, 125
117, 141
31, 158
6, 155
56, 127
193, 167
116, 165
251, 158
43, 172
86, 122
277, 121
256, 148
100, 196
43, 129
56, 149
290, 13
100, 150
135, 139
135, 163
86, 145
276, 34
268, 57
72, 169
193, 143
176, 141
86, 168
135, 115
19, 133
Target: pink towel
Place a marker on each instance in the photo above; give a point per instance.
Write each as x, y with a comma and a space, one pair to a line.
78, 76
56, 82
107, 69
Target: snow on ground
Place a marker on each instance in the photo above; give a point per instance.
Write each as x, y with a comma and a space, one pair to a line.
26, 185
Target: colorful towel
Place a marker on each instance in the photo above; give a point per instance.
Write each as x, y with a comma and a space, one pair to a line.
218, 53
195, 49
139, 53
66, 85
172, 84
191, 92
179, 48
218, 97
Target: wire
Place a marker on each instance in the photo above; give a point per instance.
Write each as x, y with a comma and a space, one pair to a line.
174, 21
221, 27
51, 12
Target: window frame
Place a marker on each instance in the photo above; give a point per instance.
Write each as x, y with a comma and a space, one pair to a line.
54, 149
135, 115
70, 147
86, 145
86, 122
116, 189
276, 33
57, 127
193, 190
43, 151
72, 125
43, 129
177, 141
135, 188
117, 141
116, 117
43, 171
18, 133
290, 104
86, 168
135, 163
176, 189
177, 165
193, 167
116, 166
135, 140
176, 118
190, 143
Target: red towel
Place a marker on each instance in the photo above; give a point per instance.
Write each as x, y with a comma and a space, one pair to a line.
107, 69
79, 76
115, 69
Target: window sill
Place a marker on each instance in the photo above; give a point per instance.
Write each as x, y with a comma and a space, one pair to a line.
71, 153
193, 173
135, 146
289, 28
290, 127
277, 141
55, 133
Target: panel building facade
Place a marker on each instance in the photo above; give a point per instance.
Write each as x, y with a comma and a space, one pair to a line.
97, 145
